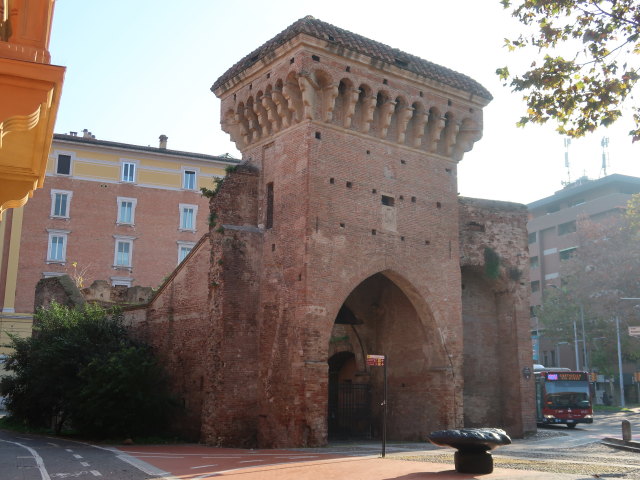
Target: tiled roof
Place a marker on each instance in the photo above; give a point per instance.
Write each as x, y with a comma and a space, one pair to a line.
357, 43
226, 158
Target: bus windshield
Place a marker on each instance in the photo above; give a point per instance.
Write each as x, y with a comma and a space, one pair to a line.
563, 394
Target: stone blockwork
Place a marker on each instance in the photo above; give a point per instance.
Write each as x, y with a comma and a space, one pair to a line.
64, 291
337, 238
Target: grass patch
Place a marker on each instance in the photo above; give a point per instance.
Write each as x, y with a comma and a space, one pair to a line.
614, 409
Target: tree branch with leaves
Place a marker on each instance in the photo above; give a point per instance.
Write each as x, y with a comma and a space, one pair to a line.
589, 86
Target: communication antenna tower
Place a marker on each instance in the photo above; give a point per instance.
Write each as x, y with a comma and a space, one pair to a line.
567, 143
605, 154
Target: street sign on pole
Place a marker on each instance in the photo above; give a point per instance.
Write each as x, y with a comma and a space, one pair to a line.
375, 360
380, 361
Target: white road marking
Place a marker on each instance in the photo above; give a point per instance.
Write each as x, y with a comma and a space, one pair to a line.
301, 456
205, 466
53, 444
75, 455
95, 473
68, 450
84, 464
250, 461
156, 456
143, 466
43, 471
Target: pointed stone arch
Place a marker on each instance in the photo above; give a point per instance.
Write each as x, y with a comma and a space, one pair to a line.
388, 315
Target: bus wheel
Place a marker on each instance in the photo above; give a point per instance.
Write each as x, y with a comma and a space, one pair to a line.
571, 425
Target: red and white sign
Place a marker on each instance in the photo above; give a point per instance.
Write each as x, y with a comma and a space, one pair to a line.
375, 360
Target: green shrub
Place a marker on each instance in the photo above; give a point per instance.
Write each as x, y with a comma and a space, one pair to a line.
80, 368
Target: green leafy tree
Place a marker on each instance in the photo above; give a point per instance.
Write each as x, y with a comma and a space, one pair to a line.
80, 367
604, 268
587, 86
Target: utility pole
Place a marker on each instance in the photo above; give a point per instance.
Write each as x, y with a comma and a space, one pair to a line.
575, 344
620, 363
584, 342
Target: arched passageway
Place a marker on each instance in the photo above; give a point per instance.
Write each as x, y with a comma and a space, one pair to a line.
379, 318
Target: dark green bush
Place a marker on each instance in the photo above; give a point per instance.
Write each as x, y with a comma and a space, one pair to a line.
80, 368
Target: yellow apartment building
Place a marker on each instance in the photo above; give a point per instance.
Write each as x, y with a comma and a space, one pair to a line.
110, 211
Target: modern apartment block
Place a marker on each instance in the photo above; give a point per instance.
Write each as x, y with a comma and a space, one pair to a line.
110, 211
552, 239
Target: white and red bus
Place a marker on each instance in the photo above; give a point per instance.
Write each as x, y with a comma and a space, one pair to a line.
562, 397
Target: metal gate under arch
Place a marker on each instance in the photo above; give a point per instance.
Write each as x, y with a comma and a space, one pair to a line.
349, 410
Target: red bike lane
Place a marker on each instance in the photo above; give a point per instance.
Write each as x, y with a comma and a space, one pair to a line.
197, 462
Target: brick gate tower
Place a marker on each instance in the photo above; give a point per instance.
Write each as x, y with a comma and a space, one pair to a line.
338, 237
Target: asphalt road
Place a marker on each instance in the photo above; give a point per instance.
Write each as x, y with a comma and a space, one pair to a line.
561, 452
31, 457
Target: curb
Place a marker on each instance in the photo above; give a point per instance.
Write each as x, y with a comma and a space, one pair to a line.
631, 445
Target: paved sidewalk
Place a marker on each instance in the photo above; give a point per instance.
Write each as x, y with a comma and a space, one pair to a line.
191, 462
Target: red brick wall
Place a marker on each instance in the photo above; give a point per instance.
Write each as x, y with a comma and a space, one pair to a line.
497, 345
177, 324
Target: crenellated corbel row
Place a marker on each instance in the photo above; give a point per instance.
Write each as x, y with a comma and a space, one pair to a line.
302, 95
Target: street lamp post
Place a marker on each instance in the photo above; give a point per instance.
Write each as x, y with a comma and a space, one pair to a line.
584, 342
575, 344
620, 363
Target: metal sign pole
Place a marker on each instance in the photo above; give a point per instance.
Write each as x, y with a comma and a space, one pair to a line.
384, 411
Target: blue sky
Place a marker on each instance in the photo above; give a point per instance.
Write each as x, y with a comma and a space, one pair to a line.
140, 68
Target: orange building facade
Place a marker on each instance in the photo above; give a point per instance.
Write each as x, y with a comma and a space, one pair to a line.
30, 90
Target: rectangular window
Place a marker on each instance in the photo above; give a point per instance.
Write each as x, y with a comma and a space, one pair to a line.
126, 210
189, 180
123, 253
63, 166
128, 172
534, 262
60, 203
567, 253
188, 217
533, 237
565, 228
57, 249
184, 248
535, 286
269, 216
